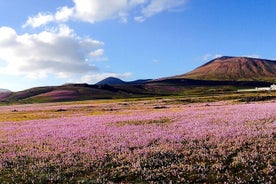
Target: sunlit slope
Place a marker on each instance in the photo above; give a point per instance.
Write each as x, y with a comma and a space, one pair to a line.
235, 69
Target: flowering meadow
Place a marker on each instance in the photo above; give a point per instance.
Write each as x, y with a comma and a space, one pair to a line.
139, 142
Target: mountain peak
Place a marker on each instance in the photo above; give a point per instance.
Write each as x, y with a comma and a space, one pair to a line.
111, 81
228, 68
216, 60
224, 57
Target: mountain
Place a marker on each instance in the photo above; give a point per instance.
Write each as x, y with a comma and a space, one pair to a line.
111, 81
234, 69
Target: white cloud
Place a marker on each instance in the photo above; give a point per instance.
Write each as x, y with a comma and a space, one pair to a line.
157, 6
137, 2
99, 10
139, 19
97, 53
94, 78
208, 57
253, 56
63, 14
7, 35
58, 52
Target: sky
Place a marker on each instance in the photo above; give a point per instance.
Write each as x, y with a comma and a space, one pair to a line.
53, 42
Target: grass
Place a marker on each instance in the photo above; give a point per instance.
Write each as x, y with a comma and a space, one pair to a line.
158, 163
100, 107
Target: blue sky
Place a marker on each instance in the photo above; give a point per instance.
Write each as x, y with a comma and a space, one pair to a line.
55, 42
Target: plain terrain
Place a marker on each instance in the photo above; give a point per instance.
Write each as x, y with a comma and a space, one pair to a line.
218, 138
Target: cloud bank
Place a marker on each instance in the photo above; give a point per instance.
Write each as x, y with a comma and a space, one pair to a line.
92, 11
57, 51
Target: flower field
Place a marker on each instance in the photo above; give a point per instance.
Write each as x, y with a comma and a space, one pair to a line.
138, 142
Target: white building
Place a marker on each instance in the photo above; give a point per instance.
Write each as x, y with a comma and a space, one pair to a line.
271, 88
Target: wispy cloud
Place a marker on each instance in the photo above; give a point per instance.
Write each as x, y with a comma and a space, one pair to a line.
156, 61
62, 15
39, 20
208, 57
158, 6
99, 10
253, 56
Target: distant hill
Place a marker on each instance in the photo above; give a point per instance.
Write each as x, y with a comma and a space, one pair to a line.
4, 90
234, 69
116, 81
111, 81
4, 93
216, 76
140, 81
73, 92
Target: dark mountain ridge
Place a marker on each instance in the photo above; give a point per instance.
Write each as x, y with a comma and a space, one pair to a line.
117, 81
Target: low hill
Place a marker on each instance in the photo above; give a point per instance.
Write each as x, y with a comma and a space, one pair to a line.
234, 69
74, 92
117, 81
4, 93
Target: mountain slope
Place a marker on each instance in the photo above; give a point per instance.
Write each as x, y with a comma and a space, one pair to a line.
235, 69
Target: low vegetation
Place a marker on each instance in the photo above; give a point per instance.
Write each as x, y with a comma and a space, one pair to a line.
86, 142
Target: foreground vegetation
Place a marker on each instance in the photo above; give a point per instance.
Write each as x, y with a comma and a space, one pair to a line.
138, 141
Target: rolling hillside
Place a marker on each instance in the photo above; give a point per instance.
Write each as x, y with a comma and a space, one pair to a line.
73, 92
217, 76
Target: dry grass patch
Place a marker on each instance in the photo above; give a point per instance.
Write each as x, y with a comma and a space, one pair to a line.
144, 122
